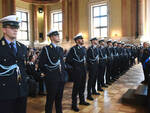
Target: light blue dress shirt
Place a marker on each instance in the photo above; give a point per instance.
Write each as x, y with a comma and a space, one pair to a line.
15, 46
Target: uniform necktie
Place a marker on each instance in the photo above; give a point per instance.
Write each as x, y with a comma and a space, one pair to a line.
12, 48
57, 49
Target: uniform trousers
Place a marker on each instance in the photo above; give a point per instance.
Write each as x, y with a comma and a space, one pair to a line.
54, 94
78, 88
13, 106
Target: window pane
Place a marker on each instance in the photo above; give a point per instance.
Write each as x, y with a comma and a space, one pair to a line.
24, 26
55, 18
18, 14
103, 10
57, 22
60, 26
96, 11
19, 35
24, 35
99, 21
103, 21
96, 33
55, 26
24, 16
103, 32
96, 22
60, 17
60, 35
23, 30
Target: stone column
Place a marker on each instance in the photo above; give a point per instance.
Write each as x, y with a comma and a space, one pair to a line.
124, 17
45, 23
9, 7
76, 14
64, 20
70, 23
35, 24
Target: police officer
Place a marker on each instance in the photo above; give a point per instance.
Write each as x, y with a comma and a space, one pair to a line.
115, 61
92, 63
123, 58
76, 58
13, 78
145, 60
52, 65
102, 65
109, 62
119, 50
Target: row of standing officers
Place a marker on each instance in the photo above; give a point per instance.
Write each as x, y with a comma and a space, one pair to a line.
104, 64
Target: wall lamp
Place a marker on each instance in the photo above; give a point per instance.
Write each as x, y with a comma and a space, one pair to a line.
40, 10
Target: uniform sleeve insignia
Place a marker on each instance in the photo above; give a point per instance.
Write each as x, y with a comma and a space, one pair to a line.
3, 43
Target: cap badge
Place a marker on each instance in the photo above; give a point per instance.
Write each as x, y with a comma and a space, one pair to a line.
17, 18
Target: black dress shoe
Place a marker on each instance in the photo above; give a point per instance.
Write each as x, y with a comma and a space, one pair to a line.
105, 85
100, 89
42, 93
108, 83
90, 98
84, 103
96, 93
75, 108
112, 80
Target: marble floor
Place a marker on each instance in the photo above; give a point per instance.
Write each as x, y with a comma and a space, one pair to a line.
108, 102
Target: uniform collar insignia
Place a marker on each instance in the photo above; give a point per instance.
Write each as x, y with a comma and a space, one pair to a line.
51, 46
3, 43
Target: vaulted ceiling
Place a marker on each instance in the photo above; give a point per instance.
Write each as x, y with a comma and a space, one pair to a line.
41, 1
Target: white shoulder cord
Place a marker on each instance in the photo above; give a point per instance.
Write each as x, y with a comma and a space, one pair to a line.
78, 59
54, 64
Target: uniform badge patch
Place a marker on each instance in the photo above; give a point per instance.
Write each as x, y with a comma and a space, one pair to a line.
3, 43
51, 46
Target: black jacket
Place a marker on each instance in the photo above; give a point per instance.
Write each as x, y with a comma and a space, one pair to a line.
56, 74
78, 68
10, 88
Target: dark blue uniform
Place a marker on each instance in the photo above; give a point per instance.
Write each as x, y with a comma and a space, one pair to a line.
13, 88
102, 66
76, 58
146, 63
52, 65
92, 63
109, 51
